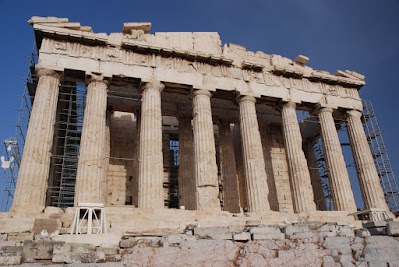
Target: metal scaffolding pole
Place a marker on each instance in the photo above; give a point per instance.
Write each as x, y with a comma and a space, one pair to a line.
380, 155
13, 146
323, 171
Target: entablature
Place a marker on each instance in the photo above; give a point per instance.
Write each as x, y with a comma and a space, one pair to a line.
232, 68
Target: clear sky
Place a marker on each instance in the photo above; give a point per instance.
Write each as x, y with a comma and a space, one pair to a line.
360, 35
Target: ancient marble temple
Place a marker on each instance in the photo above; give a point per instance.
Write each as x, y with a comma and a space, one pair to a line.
230, 113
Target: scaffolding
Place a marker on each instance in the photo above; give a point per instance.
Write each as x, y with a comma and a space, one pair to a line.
13, 146
323, 172
380, 155
10, 163
174, 170
68, 131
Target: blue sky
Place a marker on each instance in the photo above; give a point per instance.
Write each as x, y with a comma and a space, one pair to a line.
356, 35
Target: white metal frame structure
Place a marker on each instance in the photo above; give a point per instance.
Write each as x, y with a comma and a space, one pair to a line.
89, 219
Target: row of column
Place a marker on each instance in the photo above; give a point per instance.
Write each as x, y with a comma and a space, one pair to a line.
91, 176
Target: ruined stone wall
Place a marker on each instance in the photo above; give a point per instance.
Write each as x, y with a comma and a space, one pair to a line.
280, 168
303, 244
120, 171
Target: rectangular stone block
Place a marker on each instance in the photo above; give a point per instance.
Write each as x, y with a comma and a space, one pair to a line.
108, 251
20, 237
3, 237
222, 236
178, 238
377, 263
74, 253
327, 227
341, 244
128, 242
326, 234
10, 260
9, 225
50, 225
301, 235
6, 244
296, 228
212, 232
245, 236
10, 255
252, 223
265, 230
327, 230
345, 231
38, 250
381, 242
393, 228
274, 236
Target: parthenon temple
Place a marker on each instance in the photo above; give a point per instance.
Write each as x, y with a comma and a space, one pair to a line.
177, 123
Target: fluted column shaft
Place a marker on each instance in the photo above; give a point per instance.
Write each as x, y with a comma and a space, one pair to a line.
231, 198
254, 164
30, 192
150, 193
90, 179
340, 186
301, 187
207, 185
186, 162
373, 196
315, 176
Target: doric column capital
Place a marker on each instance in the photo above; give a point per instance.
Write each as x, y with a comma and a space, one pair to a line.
40, 71
97, 78
289, 105
153, 85
324, 109
202, 92
354, 113
243, 98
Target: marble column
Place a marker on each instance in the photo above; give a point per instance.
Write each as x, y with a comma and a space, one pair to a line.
340, 185
186, 176
301, 188
373, 196
254, 164
231, 198
315, 176
206, 173
151, 193
91, 165
30, 192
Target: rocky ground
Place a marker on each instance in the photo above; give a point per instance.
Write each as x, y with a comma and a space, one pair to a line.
305, 244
